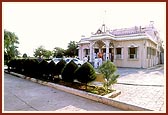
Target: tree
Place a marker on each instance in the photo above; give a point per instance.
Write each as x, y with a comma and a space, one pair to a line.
47, 54
42, 52
24, 55
10, 45
39, 51
108, 70
72, 49
85, 73
58, 52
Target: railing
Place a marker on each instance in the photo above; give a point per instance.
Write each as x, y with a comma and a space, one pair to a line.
118, 56
132, 56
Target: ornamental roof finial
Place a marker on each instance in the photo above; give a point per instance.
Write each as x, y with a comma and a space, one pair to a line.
104, 17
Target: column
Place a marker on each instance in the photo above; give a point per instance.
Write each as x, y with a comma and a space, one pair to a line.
99, 49
107, 49
91, 51
114, 54
79, 53
82, 53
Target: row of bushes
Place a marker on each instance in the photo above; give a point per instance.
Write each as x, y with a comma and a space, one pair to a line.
50, 71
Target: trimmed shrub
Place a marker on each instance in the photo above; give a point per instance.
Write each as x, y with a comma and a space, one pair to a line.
68, 71
30, 67
26, 67
16, 65
59, 67
11, 65
19, 65
52, 70
35, 68
43, 69
85, 73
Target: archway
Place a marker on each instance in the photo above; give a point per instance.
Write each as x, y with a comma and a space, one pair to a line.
98, 48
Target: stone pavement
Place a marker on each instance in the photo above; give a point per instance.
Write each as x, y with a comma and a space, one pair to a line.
142, 87
24, 95
154, 76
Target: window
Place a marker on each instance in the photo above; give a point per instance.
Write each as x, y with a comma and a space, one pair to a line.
118, 53
154, 52
150, 52
158, 54
132, 52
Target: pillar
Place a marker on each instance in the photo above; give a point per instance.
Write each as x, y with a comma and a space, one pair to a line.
82, 52
114, 53
79, 53
107, 49
91, 51
99, 49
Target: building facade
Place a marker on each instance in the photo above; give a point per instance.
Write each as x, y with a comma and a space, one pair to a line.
138, 47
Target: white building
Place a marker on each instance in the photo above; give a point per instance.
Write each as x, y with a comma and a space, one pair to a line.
138, 47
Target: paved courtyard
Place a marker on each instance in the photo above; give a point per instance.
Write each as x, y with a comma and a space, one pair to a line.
152, 76
142, 87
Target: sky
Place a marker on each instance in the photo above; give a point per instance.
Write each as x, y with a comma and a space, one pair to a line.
55, 24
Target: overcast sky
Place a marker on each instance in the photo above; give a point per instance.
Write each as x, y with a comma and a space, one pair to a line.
55, 24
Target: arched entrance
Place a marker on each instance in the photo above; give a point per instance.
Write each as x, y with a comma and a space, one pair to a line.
98, 48
110, 55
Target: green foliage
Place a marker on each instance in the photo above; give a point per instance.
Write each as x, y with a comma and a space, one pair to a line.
99, 90
42, 52
58, 52
43, 67
10, 45
16, 65
47, 54
85, 73
108, 70
72, 45
34, 68
68, 71
12, 64
72, 49
39, 51
59, 66
19, 65
30, 67
51, 70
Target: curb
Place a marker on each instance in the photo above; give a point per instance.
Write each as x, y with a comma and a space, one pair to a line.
94, 97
